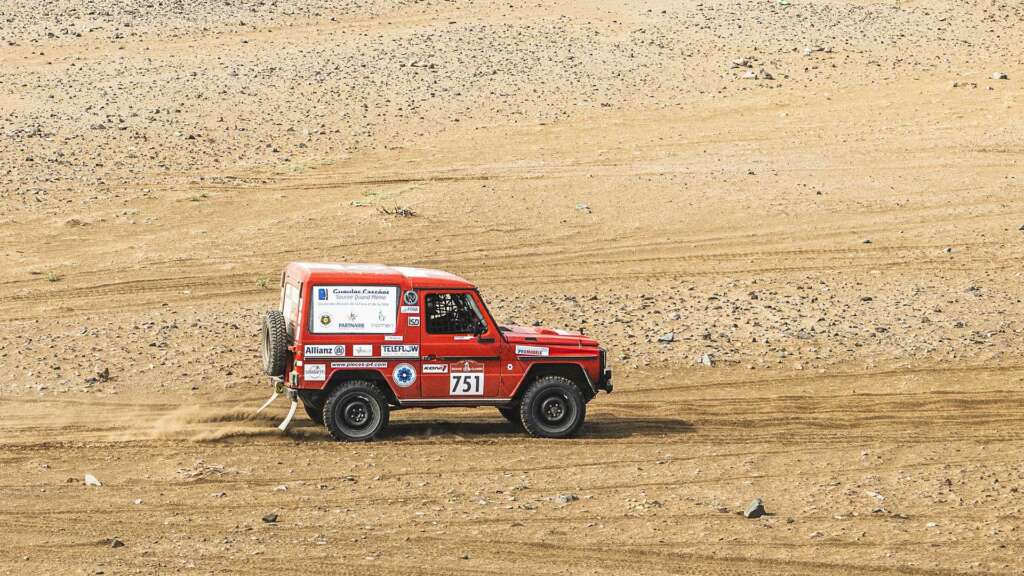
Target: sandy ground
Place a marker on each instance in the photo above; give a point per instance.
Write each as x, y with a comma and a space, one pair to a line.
836, 251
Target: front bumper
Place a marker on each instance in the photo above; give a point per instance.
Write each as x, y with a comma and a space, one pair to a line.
605, 382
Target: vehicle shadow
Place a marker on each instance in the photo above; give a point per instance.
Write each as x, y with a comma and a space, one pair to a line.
603, 426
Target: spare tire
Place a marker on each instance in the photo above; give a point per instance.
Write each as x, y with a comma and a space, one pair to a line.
274, 344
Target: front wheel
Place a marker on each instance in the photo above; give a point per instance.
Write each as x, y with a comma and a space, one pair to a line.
355, 411
553, 408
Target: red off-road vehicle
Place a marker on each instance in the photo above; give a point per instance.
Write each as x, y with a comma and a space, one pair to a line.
352, 342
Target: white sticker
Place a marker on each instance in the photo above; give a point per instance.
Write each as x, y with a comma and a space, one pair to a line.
362, 349
435, 368
318, 351
315, 372
466, 384
393, 338
404, 375
531, 350
354, 309
414, 320
359, 364
458, 338
410, 309
400, 350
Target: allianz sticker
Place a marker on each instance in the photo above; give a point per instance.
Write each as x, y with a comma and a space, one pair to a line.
362, 349
531, 350
411, 297
315, 372
435, 368
400, 350
414, 320
320, 351
359, 364
410, 309
404, 375
397, 338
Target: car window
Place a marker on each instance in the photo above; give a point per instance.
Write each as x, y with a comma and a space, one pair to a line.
449, 313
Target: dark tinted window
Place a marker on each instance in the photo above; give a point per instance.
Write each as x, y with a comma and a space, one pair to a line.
452, 314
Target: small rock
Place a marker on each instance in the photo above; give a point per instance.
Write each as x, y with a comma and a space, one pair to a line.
270, 518
667, 338
1000, 76
755, 509
584, 207
947, 250
137, 501
116, 543
564, 499
816, 535
706, 360
91, 480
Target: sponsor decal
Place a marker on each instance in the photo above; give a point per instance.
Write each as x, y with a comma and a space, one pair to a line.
531, 350
315, 372
355, 309
362, 349
410, 309
359, 364
435, 368
319, 351
410, 298
467, 366
393, 338
414, 320
404, 375
400, 350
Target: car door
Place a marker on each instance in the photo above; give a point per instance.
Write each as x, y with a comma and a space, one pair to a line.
459, 347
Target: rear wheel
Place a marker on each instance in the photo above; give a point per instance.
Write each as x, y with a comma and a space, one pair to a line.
553, 408
355, 411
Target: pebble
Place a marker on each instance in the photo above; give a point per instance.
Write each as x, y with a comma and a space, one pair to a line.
755, 509
91, 480
1000, 76
270, 518
667, 338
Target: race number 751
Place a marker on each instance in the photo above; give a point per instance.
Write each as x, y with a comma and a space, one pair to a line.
467, 383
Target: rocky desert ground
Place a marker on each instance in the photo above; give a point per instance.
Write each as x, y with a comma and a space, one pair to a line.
797, 225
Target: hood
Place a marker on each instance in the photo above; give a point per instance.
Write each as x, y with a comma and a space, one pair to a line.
546, 336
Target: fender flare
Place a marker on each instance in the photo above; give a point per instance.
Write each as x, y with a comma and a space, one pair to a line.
570, 369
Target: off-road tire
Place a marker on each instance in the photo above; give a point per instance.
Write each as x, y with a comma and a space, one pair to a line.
355, 411
511, 413
274, 344
552, 407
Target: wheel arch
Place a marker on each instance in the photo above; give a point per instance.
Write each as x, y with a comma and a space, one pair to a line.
571, 370
374, 376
